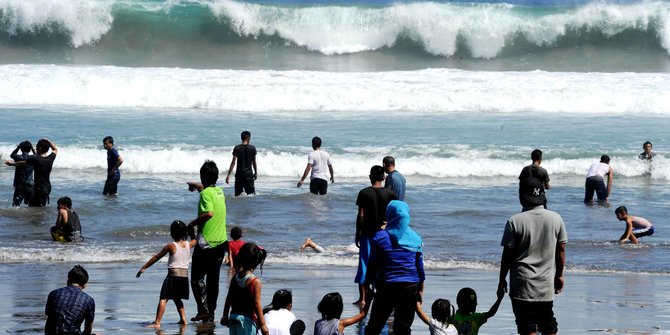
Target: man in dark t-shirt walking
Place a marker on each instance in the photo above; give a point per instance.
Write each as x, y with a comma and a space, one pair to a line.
245, 175
371, 202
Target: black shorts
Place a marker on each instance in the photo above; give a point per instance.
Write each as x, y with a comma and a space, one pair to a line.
244, 183
532, 316
175, 288
23, 194
318, 186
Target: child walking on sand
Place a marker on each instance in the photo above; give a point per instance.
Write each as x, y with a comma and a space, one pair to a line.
442, 310
331, 307
635, 226
243, 312
466, 320
176, 285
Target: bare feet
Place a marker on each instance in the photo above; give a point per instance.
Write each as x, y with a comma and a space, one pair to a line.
182, 322
308, 243
154, 325
200, 317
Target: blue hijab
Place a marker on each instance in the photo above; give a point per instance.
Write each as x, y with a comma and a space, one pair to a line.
397, 217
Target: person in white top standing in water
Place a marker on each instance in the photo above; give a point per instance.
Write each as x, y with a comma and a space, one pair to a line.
595, 180
321, 165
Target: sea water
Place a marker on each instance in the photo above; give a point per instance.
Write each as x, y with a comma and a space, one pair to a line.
459, 92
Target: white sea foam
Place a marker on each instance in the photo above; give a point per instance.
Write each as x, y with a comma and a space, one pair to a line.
430, 91
485, 28
436, 162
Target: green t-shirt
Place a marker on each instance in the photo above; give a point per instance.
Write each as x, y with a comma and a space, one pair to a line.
214, 230
469, 324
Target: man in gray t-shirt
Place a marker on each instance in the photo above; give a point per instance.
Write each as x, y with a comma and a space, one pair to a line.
534, 255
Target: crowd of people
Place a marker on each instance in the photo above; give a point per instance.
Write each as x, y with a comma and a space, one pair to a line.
390, 273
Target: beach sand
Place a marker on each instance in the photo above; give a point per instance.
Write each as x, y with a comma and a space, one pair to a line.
591, 303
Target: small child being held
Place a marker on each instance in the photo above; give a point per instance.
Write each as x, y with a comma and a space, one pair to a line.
635, 226
466, 320
442, 310
67, 227
176, 285
331, 307
243, 312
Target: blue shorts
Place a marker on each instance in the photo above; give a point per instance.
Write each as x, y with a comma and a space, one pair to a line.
643, 232
241, 325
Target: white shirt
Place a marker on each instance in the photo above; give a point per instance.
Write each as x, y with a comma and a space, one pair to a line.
439, 328
279, 321
598, 169
320, 161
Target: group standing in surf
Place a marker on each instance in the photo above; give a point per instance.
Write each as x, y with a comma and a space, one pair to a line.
390, 272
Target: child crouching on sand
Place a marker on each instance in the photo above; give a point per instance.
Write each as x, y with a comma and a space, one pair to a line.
243, 301
331, 307
442, 310
175, 286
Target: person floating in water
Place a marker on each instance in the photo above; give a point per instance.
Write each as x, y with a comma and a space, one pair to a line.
67, 228
636, 226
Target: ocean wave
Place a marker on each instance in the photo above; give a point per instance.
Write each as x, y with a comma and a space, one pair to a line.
438, 161
118, 30
430, 91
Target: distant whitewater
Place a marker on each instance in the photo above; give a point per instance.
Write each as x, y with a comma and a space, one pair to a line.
381, 34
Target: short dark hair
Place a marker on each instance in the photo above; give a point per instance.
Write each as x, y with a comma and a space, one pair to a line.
467, 299
621, 209
297, 327
25, 146
78, 275
605, 159
441, 310
108, 139
178, 230
645, 144
536, 155
316, 142
209, 173
245, 135
331, 306
236, 233
65, 201
281, 299
43, 145
250, 256
376, 173
388, 161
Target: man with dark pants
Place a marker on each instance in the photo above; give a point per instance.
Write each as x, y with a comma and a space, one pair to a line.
68, 307
595, 181
319, 162
114, 161
23, 175
245, 175
371, 202
534, 255
42, 165
209, 252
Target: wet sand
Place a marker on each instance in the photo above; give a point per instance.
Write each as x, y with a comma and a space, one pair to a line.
591, 303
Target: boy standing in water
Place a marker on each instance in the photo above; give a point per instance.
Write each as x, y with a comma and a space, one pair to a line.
114, 161
635, 226
42, 165
245, 175
23, 175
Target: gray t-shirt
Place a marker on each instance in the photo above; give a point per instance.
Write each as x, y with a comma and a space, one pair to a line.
533, 235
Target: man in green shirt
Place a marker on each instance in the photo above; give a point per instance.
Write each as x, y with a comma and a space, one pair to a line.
209, 252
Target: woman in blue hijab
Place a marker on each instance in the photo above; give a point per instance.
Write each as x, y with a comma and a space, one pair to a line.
395, 269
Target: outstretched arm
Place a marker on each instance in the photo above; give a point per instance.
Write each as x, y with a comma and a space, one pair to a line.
154, 259
494, 309
344, 323
422, 315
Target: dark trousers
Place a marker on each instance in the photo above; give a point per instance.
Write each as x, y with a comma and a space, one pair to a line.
318, 186
597, 185
110, 186
205, 269
22, 194
399, 298
39, 199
